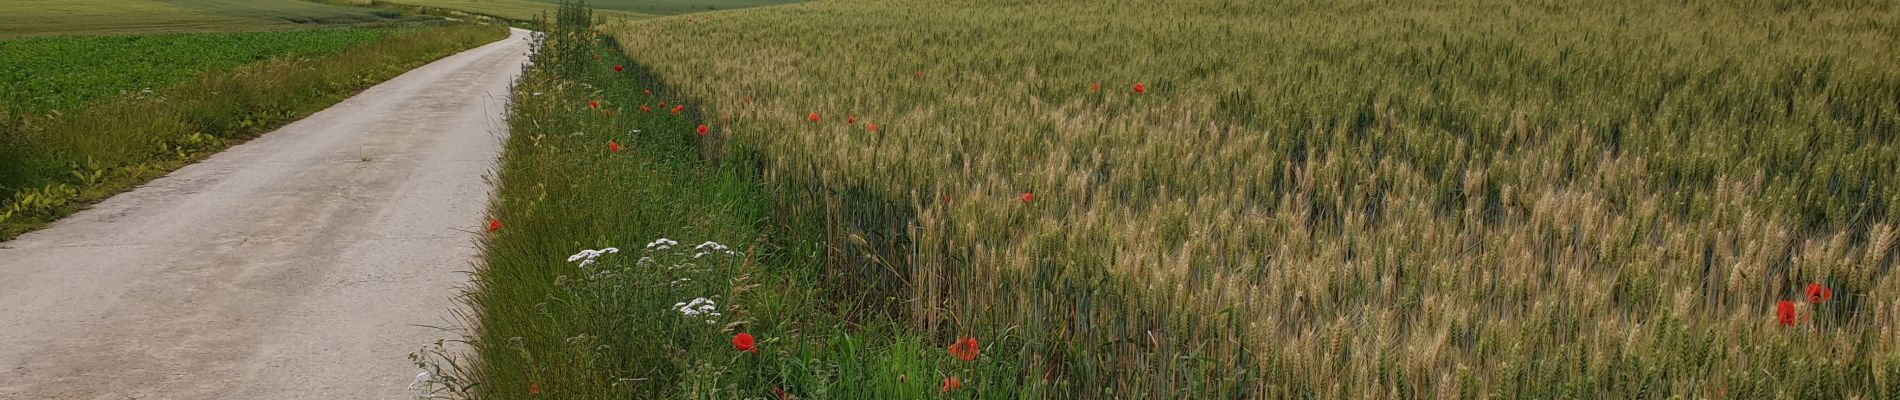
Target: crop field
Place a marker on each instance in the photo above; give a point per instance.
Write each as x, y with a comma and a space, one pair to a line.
528, 9
51, 73
1225, 199
46, 17
520, 10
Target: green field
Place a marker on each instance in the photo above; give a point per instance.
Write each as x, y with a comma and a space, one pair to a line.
620, 9
1464, 198
88, 116
45, 17
63, 73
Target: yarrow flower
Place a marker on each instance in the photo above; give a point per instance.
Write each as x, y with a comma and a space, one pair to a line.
711, 247
662, 244
699, 307
586, 257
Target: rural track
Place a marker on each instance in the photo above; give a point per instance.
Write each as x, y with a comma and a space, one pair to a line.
304, 264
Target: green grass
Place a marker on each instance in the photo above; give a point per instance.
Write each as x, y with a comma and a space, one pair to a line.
676, 7
611, 330
52, 17
63, 73
102, 143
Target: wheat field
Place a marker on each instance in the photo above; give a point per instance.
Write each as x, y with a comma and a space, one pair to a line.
1466, 198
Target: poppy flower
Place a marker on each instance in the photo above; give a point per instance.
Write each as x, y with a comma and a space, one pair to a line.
744, 342
645, 108
649, 92
780, 391
596, 56
872, 126
620, 68
814, 117
534, 388
1028, 197
747, 99
1140, 88
594, 104
952, 383
703, 129
965, 349
662, 104
677, 109
494, 225
1095, 87
1784, 312
613, 146
852, 120
920, 74
1819, 294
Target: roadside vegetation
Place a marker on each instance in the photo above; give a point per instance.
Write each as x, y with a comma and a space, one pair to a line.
1207, 199
87, 117
622, 263
68, 17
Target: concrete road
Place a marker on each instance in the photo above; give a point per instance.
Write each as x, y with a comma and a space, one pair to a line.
304, 264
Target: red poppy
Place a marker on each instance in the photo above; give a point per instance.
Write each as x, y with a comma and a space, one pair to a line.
920, 74
1095, 87
872, 126
613, 146
747, 99
1027, 197
620, 68
594, 104
534, 388
1140, 88
703, 129
677, 109
494, 225
965, 349
1784, 312
649, 92
645, 108
780, 391
662, 104
852, 120
1819, 294
814, 117
744, 343
952, 383
596, 56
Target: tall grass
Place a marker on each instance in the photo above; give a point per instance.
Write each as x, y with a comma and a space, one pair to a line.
53, 163
1468, 198
610, 327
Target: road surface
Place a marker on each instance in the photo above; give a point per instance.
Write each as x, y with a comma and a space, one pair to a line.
304, 264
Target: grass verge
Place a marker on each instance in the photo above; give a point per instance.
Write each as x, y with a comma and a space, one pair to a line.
602, 157
57, 163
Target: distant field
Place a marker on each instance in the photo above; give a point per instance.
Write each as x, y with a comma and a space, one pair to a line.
511, 9
528, 9
47, 17
66, 72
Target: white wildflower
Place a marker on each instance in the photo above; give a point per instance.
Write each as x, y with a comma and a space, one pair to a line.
586, 257
422, 380
700, 307
662, 244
